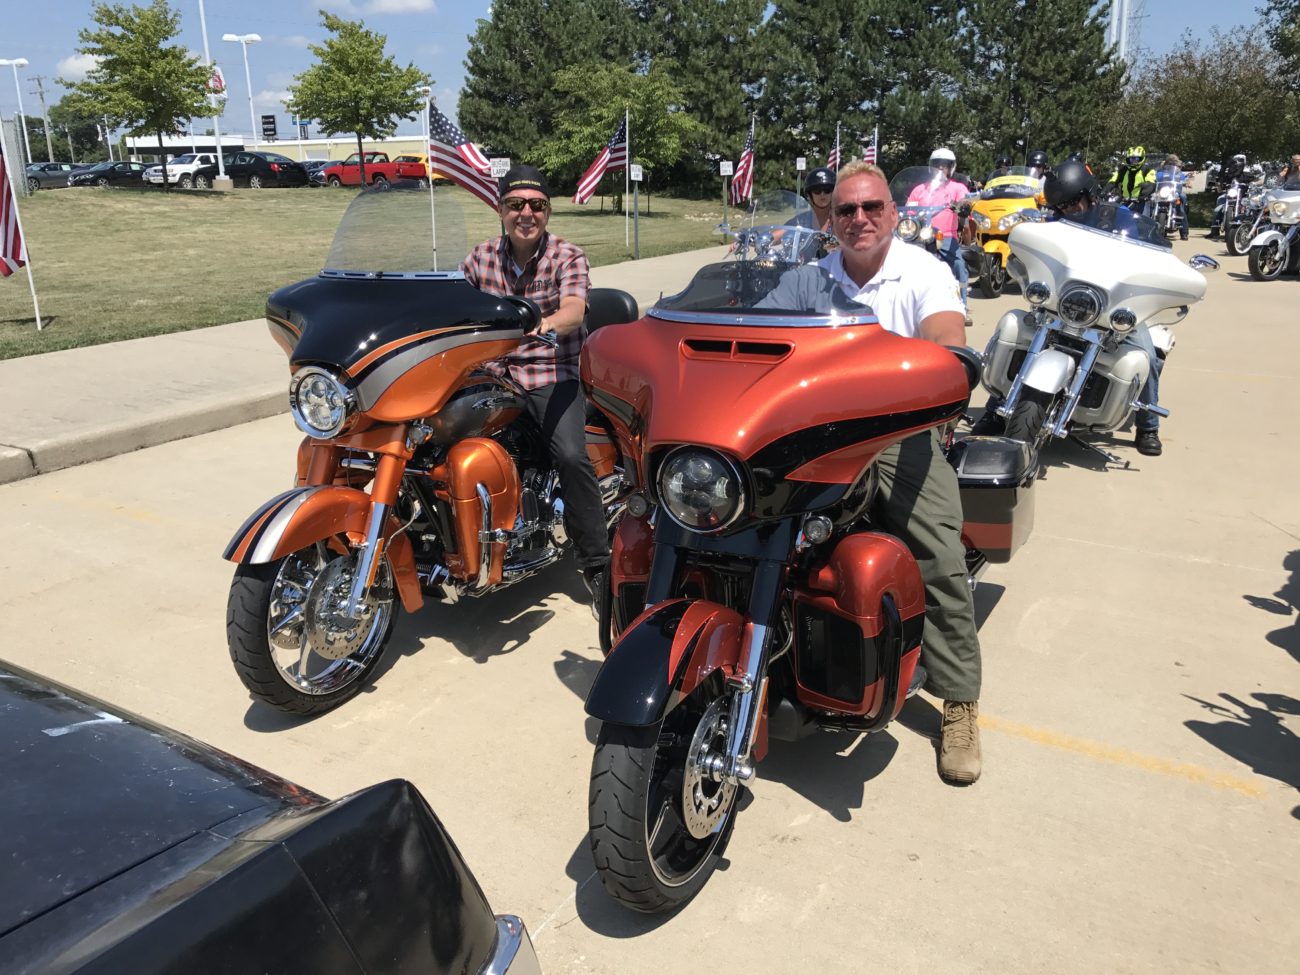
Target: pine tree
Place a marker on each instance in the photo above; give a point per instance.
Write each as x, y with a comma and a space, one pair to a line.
509, 102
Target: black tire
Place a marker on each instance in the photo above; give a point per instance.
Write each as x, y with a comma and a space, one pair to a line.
185, 182
634, 771
993, 277
248, 612
334, 181
255, 182
380, 182
1240, 238
101, 182
202, 182
33, 184
1026, 421
1265, 261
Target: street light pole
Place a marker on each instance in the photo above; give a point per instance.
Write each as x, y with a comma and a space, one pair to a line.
24, 144
244, 40
222, 180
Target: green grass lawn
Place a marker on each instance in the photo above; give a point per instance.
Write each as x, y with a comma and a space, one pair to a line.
118, 264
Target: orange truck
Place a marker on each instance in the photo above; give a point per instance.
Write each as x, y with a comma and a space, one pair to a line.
378, 170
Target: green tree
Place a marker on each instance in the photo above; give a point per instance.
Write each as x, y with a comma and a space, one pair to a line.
72, 118
1207, 101
661, 130
354, 87
140, 81
1039, 76
509, 103
711, 50
1282, 24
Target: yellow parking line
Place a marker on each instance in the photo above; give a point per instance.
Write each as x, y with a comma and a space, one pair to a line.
1122, 756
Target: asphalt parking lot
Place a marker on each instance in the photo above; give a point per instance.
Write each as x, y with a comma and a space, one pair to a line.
1140, 804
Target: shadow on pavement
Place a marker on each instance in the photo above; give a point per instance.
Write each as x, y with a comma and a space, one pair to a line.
1254, 734
1284, 602
815, 768
597, 910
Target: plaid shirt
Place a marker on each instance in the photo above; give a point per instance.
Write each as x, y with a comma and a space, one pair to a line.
557, 270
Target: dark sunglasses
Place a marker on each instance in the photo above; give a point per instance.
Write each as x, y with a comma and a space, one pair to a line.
819, 192
869, 207
516, 204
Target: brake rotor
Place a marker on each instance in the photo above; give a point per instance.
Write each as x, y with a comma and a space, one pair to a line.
706, 802
331, 633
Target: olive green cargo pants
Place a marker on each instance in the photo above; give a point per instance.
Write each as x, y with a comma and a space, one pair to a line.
919, 502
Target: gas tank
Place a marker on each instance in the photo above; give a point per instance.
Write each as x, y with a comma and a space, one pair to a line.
479, 407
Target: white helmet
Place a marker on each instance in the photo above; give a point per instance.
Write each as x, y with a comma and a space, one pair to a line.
943, 157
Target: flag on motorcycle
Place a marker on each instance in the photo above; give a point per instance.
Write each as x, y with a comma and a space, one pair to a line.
454, 156
612, 156
869, 152
13, 252
742, 183
833, 161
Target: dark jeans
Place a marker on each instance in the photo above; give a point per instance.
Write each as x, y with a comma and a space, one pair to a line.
561, 411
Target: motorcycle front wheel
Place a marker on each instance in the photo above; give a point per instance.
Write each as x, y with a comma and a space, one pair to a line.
1266, 261
1027, 422
993, 277
1239, 239
292, 645
658, 825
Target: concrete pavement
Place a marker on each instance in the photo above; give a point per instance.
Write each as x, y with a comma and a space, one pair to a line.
66, 408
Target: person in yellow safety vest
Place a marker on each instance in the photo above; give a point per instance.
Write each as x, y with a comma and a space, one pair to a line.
1134, 180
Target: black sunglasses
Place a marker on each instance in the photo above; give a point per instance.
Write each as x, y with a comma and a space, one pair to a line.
870, 207
516, 204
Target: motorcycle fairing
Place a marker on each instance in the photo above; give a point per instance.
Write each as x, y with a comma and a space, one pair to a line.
1050, 371
303, 516
470, 463
663, 655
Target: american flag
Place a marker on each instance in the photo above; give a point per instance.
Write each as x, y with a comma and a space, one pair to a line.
455, 157
13, 252
833, 160
869, 151
742, 183
613, 156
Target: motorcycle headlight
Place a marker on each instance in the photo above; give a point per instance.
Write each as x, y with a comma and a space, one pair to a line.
1037, 292
927, 233
1278, 209
908, 228
981, 221
320, 403
701, 490
1009, 221
1080, 305
1123, 320
1165, 193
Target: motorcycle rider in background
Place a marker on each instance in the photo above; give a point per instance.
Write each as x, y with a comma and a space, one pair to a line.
1135, 180
1001, 168
817, 187
1071, 191
1231, 171
940, 193
1038, 163
1289, 178
1172, 171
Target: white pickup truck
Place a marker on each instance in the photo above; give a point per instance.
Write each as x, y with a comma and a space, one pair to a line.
181, 169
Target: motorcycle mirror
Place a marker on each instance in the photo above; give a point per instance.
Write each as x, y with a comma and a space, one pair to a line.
1203, 262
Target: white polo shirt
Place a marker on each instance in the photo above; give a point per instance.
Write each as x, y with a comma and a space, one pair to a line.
910, 286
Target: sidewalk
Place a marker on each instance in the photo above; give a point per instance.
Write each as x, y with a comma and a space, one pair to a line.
81, 405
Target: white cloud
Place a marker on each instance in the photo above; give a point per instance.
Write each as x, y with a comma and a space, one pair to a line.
270, 101
401, 7
294, 40
77, 67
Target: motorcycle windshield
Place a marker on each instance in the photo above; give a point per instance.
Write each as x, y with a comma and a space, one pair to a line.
400, 230
1018, 184
1123, 224
762, 292
916, 184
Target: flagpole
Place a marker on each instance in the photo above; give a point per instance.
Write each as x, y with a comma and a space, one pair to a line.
838, 159
627, 174
18, 219
428, 169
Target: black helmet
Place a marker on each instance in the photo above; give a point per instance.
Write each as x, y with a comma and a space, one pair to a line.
1076, 156
1038, 158
1067, 183
820, 178
1004, 162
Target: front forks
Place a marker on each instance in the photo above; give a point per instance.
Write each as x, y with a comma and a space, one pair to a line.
389, 469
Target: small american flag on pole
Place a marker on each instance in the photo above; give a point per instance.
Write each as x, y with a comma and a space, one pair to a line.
742, 183
869, 152
612, 156
833, 160
455, 157
13, 252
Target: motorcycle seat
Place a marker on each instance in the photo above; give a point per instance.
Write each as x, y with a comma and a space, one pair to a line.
610, 306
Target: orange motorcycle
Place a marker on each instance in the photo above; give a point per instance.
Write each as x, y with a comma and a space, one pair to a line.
419, 474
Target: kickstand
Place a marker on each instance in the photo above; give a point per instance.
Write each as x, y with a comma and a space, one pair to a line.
1110, 458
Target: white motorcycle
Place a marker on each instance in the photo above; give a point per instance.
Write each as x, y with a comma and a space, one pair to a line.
1059, 368
1274, 249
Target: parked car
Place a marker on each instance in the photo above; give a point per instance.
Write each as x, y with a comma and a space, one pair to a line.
128, 847
316, 170
421, 160
109, 173
379, 171
49, 175
181, 169
256, 170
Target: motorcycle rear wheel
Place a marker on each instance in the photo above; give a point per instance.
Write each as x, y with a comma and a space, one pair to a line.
284, 637
1266, 261
1027, 420
648, 857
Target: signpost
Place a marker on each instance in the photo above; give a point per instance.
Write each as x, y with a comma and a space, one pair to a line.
634, 173
268, 128
800, 164
500, 166
726, 170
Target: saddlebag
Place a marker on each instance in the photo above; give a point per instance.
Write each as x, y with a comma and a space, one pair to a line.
996, 476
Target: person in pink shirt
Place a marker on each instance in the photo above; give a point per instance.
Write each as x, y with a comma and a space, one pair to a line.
940, 192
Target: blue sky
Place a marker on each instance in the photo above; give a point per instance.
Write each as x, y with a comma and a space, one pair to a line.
432, 34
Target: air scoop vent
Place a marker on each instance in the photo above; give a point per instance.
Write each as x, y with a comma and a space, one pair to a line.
741, 351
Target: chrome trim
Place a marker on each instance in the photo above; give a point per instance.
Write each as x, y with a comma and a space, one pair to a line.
485, 536
330, 272
274, 530
366, 558
1081, 287
513, 953
769, 321
1081, 374
349, 403
745, 711
1036, 346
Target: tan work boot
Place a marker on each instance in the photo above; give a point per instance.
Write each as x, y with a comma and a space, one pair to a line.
959, 754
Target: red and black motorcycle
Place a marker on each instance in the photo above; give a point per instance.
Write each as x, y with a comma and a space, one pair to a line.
750, 595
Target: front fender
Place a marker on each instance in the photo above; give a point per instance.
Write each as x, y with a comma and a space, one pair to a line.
1049, 371
1266, 237
306, 515
664, 654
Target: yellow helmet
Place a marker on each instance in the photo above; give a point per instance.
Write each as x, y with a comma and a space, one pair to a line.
1139, 152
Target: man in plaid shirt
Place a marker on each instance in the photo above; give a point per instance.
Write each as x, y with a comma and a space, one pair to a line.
528, 261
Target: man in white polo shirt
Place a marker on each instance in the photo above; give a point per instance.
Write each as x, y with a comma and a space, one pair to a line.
915, 295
